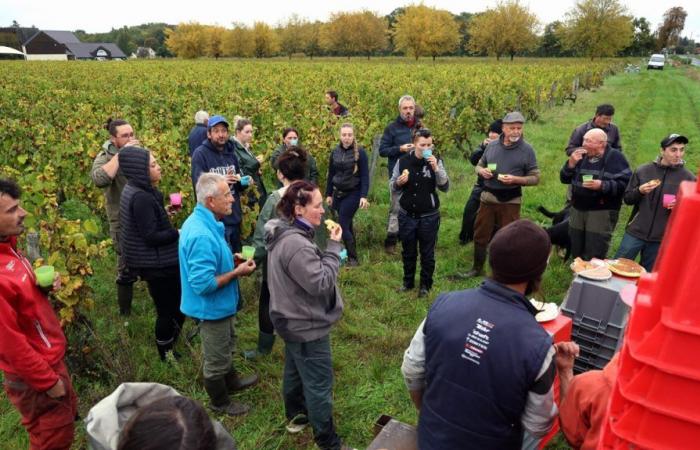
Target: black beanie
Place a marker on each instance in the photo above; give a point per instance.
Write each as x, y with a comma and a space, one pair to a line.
519, 252
496, 126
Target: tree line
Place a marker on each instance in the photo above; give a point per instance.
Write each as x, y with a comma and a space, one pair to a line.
592, 28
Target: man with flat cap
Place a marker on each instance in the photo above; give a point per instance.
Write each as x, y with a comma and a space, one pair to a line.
480, 368
508, 164
652, 192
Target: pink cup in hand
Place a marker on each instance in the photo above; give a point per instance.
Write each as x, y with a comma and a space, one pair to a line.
176, 199
668, 199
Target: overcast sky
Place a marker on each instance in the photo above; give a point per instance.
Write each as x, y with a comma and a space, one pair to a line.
95, 17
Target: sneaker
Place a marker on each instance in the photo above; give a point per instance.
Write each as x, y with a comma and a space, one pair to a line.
403, 288
423, 292
297, 424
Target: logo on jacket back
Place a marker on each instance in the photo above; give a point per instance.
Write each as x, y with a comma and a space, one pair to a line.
10, 266
477, 341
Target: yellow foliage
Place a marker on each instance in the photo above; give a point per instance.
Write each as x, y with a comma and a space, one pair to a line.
425, 31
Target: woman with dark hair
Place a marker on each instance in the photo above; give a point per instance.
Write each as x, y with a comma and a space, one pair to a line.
291, 167
149, 242
250, 164
347, 185
304, 304
153, 416
417, 177
290, 138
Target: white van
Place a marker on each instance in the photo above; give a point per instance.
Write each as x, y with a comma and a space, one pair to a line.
656, 61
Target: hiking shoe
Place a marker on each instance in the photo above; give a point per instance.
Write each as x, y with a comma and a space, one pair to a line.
423, 292
297, 424
231, 409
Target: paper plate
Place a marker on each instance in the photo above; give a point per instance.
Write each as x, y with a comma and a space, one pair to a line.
547, 311
598, 274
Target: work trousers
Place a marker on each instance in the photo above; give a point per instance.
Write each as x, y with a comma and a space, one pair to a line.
418, 234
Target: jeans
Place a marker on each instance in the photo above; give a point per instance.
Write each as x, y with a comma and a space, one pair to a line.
422, 233
631, 246
347, 207
307, 387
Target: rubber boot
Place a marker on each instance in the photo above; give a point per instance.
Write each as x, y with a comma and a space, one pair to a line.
352, 253
125, 293
234, 383
220, 401
265, 343
478, 268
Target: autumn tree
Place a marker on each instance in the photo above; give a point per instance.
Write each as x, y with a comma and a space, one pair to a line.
311, 37
643, 42
187, 40
215, 41
425, 31
354, 33
670, 30
598, 28
507, 29
238, 42
265, 40
291, 35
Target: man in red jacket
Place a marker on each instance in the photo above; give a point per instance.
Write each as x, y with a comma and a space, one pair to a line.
32, 344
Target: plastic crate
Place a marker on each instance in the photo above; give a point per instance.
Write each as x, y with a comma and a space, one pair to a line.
599, 318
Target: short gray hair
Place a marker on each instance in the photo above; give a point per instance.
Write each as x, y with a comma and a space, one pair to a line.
406, 98
207, 186
201, 117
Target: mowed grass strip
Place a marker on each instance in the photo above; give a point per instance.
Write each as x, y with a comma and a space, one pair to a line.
369, 341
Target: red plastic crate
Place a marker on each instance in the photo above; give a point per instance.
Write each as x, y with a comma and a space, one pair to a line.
655, 402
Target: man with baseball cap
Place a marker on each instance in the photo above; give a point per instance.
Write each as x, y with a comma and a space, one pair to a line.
480, 368
652, 192
508, 164
217, 155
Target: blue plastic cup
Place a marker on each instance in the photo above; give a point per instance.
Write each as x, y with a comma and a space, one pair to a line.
245, 181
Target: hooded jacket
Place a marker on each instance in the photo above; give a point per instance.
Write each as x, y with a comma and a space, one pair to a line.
249, 165
206, 158
148, 239
31, 338
649, 217
112, 187
304, 296
107, 419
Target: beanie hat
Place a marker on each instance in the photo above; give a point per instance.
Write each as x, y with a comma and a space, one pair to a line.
496, 126
519, 252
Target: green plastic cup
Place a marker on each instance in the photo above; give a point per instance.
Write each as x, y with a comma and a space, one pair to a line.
248, 252
44, 275
587, 178
492, 166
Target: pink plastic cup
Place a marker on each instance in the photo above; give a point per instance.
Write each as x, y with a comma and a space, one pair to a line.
176, 199
668, 199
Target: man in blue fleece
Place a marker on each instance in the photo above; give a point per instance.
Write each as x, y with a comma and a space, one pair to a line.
209, 280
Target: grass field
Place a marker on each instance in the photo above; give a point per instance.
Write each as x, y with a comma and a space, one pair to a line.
369, 341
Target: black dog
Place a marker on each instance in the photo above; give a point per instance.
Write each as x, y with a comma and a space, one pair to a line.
559, 231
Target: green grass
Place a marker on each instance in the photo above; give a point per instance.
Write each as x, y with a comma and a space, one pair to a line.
369, 341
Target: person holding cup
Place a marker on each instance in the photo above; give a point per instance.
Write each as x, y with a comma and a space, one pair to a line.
149, 242
290, 139
251, 165
416, 178
347, 185
652, 193
598, 175
32, 343
508, 164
